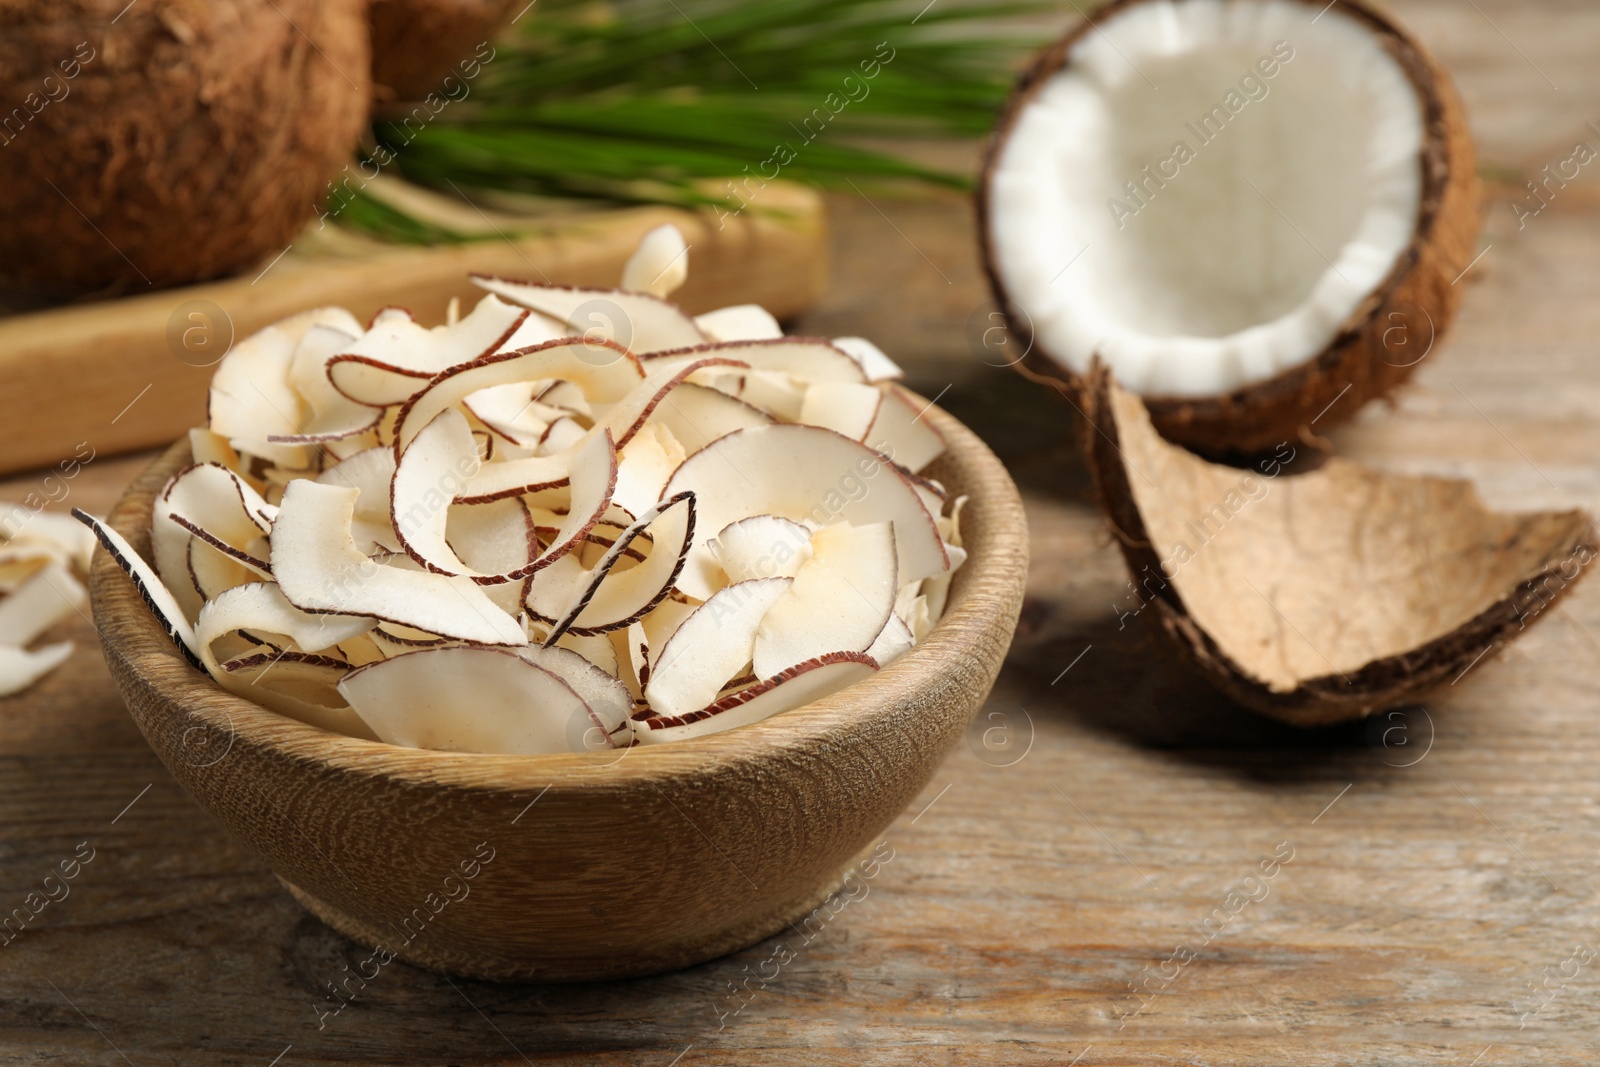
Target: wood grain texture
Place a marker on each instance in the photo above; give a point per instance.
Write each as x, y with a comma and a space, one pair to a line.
616, 873
119, 374
1458, 865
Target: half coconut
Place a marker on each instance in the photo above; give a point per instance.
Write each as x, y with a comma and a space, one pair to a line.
1255, 213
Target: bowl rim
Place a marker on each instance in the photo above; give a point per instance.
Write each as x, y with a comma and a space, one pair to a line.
985, 593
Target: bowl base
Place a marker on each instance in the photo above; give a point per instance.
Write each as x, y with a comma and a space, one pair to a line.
790, 913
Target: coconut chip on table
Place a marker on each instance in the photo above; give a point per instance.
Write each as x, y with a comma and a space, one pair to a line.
567, 519
42, 556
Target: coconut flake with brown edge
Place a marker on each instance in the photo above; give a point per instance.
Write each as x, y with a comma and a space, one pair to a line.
316, 562
415, 496
802, 473
799, 685
467, 699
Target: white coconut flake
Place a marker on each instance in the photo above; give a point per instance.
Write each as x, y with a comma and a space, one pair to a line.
877, 366
615, 597
849, 408
839, 601
807, 359
370, 473
510, 534
762, 546
262, 610
605, 371
801, 685
741, 322
638, 322
803, 473
660, 265
319, 568
155, 595
899, 430
251, 398
20, 668
467, 699
49, 597
389, 362
709, 647
427, 478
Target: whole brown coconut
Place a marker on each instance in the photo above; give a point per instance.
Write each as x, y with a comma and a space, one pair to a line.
169, 141
1389, 326
416, 44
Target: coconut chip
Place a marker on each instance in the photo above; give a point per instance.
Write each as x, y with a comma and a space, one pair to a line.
316, 562
49, 597
741, 322
660, 265
571, 519
516, 707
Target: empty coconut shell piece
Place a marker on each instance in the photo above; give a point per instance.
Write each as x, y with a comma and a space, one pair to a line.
170, 141
1322, 596
1253, 211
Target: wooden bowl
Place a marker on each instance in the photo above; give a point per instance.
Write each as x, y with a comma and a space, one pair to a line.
576, 867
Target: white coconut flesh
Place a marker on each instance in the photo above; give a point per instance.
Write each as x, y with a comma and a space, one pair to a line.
27, 534
215, 505
515, 534
1284, 156
638, 321
371, 473
762, 546
659, 265
51, 595
212, 571
839, 600
802, 685
515, 707
156, 596
711, 645
805, 474
334, 416
316, 562
47, 598
281, 678
742, 322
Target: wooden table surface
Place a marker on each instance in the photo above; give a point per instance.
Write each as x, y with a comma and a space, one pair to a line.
1109, 822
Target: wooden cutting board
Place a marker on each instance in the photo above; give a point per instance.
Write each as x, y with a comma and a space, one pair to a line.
132, 372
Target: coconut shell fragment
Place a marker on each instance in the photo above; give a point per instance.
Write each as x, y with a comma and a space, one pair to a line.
1324, 596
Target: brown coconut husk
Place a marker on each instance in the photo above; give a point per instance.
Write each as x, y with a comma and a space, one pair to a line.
1369, 357
1324, 596
416, 44
196, 139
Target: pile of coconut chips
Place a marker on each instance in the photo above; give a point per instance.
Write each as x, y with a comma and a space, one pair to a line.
42, 556
571, 519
